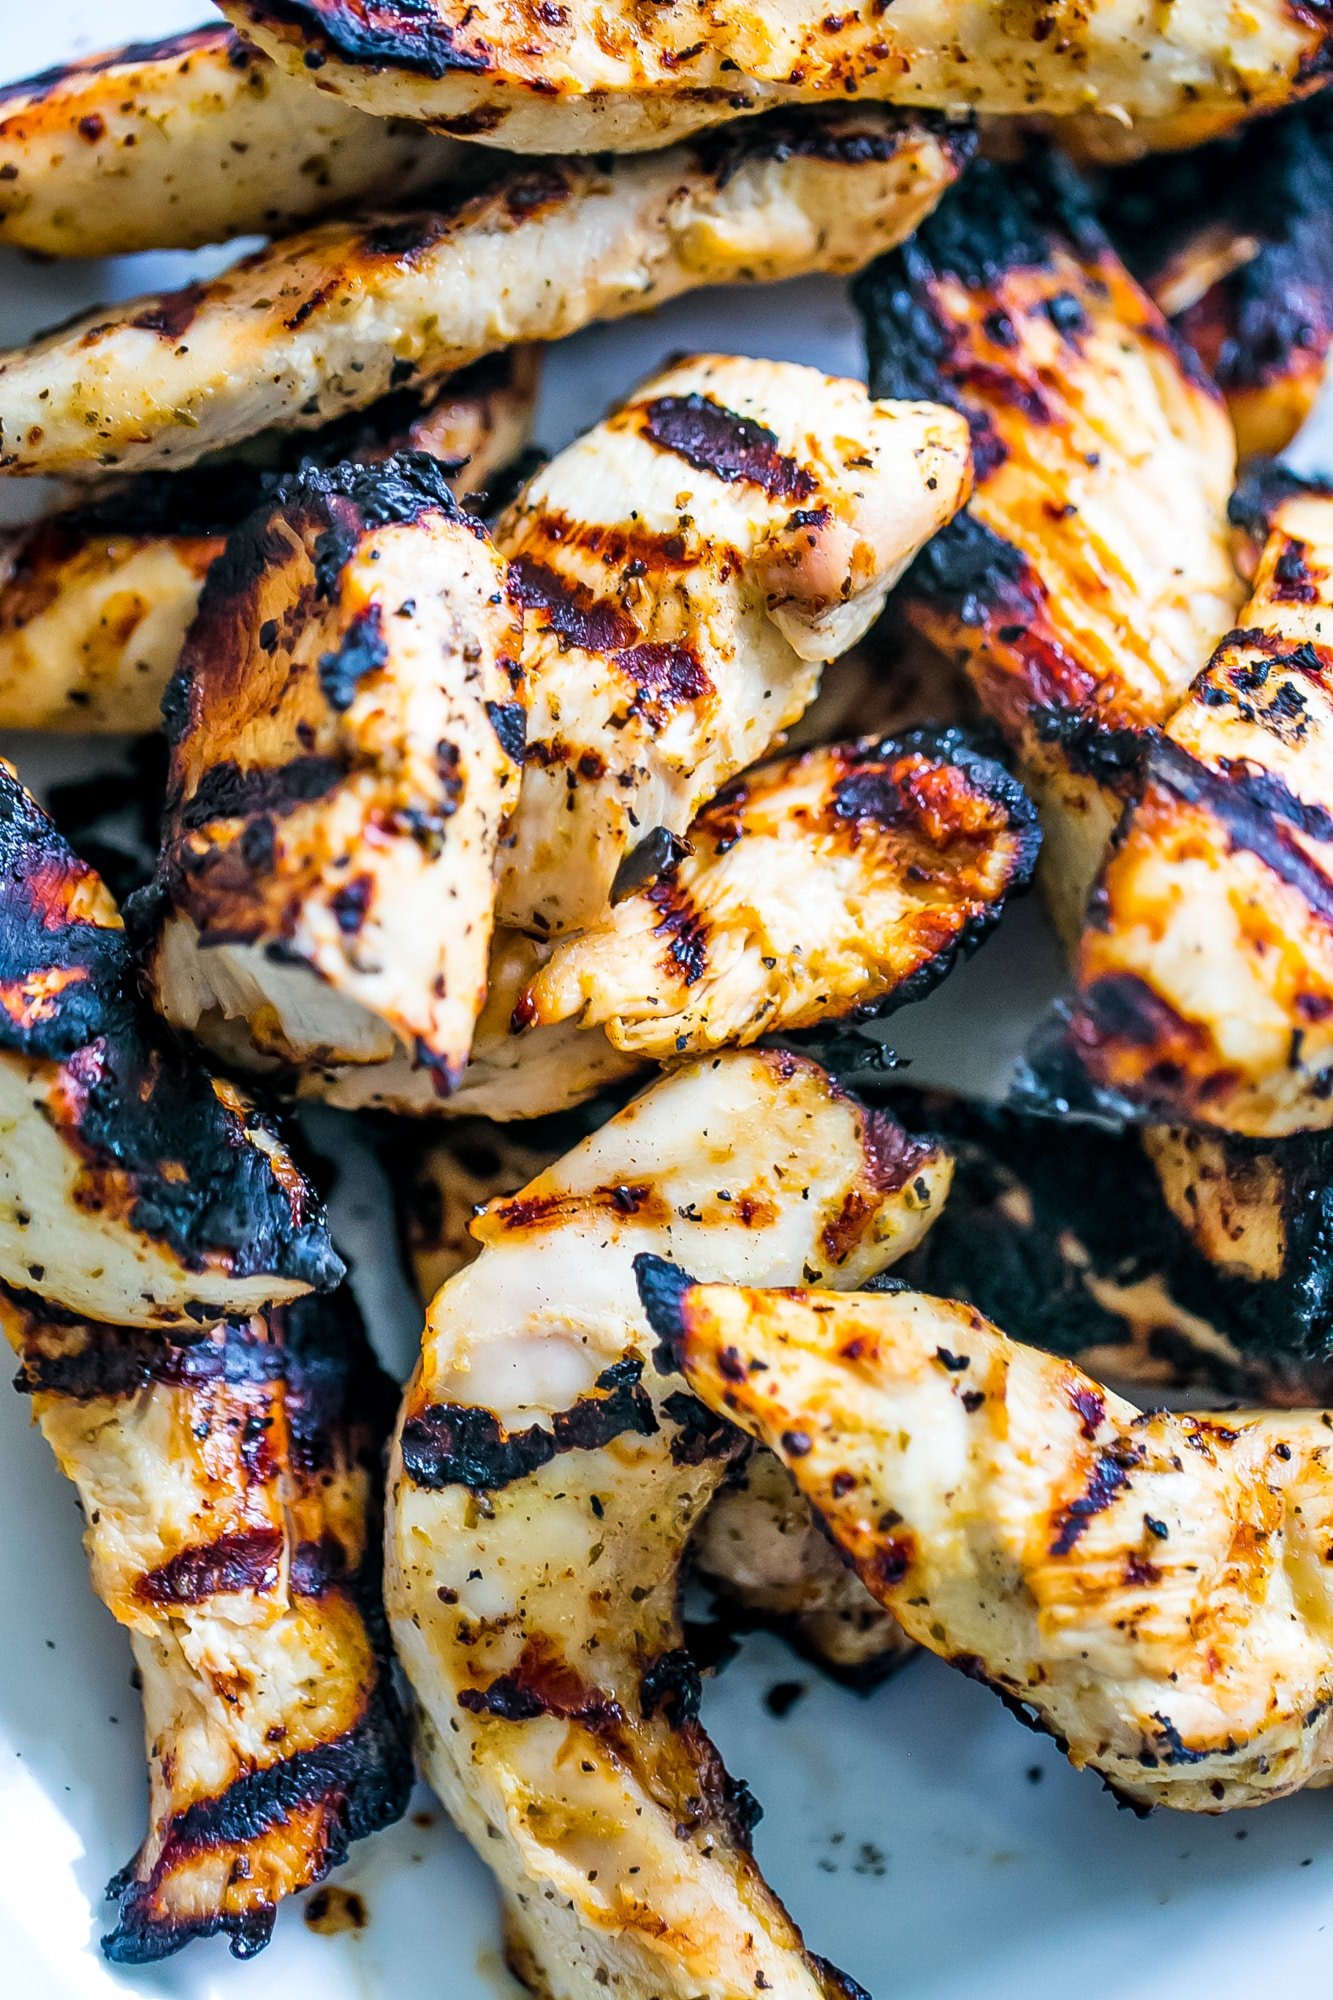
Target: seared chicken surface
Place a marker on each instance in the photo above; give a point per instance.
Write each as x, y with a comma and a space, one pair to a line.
1090, 576
543, 1485
756, 1547
193, 139
135, 1187
840, 882
1205, 976
1212, 1282
231, 1492
684, 568
330, 320
1155, 1589
1233, 243
589, 77
95, 602
345, 730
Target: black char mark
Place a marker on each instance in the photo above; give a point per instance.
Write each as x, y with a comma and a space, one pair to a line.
671, 1687
810, 134
378, 34
658, 854
510, 722
458, 1444
130, 55
571, 611
733, 448
249, 1559
1109, 1476
225, 791
363, 651
1259, 813
662, 1288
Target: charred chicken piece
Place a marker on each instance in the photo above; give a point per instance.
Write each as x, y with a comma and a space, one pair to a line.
612, 76
231, 1490
1182, 1273
345, 734
546, 1477
95, 602
1155, 1590
330, 320
1091, 573
845, 881
757, 1547
685, 567
1232, 242
193, 139
135, 1187
1205, 975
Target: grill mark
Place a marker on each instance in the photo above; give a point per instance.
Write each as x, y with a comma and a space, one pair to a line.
1108, 1477
666, 676
247, 1560
225, 791
573, 613
361, 1780
172, 315
456, 1444
509, 720
379, 34
808, 134
1124, 1008
684, 928
733, 448
543, 1683
1256, 809
116, 1362
671, 1686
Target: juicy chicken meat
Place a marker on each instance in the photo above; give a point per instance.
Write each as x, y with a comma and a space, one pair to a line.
756, 1547
1091, 573
190, 140
1205, 976
345, 742
841, 882
1156, 1590
1232, 242
230, 1488
1175, 1275
95, 602
542, 1488
593, 77
330, 320
685, 567
135, 1187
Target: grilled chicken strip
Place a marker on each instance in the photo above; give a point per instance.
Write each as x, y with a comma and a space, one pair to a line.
135, 1187
230, 1487
1154, 1589
685, 568
1205, 976
193, 139
844, 881
1091, 573
330, 320
95, 602
1221, 1286
345, 738
615, 76
542, 1488
1232, 242
756, 1547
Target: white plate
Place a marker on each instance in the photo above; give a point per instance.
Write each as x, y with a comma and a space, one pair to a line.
925, 1842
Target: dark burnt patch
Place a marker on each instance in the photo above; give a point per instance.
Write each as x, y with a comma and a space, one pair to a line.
659, 854
171, 315
1269, 188
509, 720
662, 1287
671, 1687
811, 134
732, 448
699, 1434
404, 35
90, 1362
362, 650
246, 1560
665, 676
1262, 489
458, 1444
683, 930
543, 1683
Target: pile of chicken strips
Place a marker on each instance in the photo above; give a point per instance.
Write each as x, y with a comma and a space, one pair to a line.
577, 821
